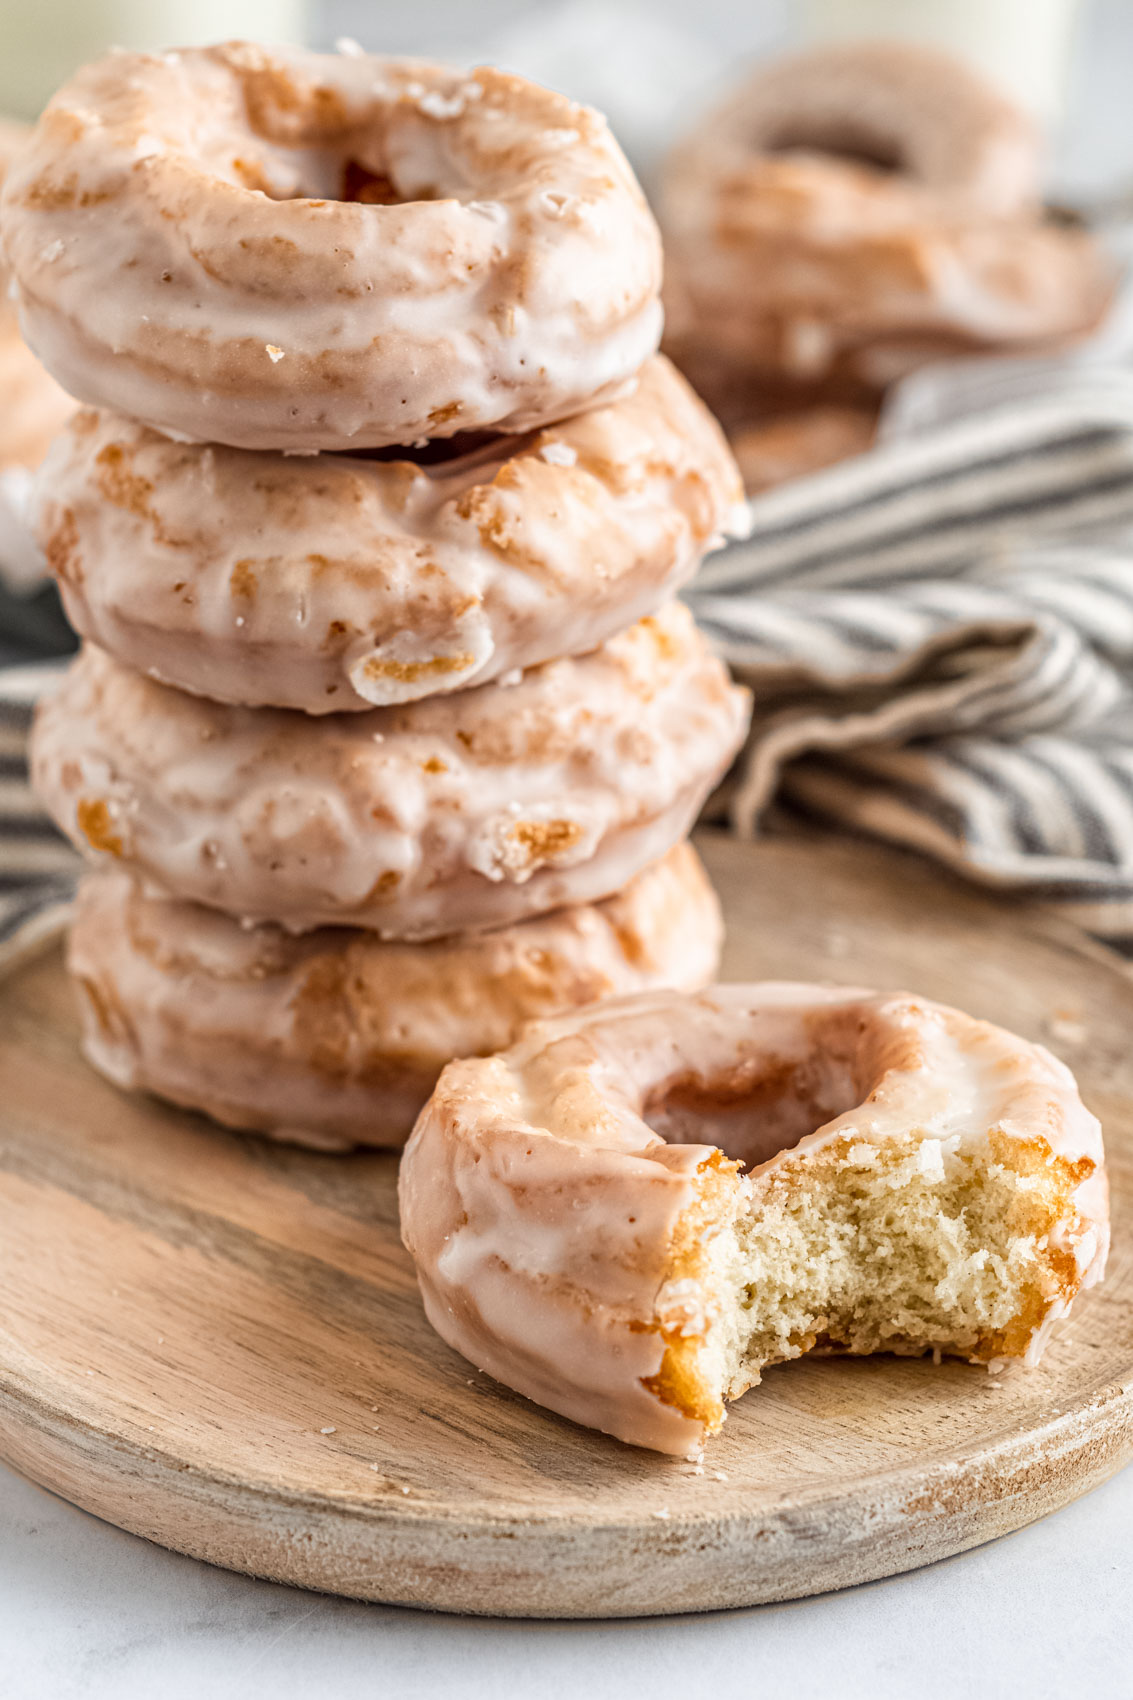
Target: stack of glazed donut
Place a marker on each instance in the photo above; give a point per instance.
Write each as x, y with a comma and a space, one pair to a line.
387, 731
851, 213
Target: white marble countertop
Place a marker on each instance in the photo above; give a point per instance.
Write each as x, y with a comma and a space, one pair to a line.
88, 1613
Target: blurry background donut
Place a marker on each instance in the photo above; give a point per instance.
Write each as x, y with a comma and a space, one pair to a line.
852, 213
659, 68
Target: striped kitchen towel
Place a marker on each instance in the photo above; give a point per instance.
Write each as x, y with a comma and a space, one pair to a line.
938, 635
37, 869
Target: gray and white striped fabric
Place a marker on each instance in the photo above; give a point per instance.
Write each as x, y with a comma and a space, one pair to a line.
37, 869
939, 637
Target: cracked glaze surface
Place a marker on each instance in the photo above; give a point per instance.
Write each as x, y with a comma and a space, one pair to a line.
446, 815
336, 1038
282, 249
541, 1207
326, 583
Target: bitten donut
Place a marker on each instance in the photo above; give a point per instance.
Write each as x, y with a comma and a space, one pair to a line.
340, 583
337, 1038
638, 1207
446, 815
289, 250
859, 209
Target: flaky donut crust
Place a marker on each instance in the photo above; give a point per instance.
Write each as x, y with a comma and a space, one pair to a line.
282, 249
446, 815
337, 1038
334, 582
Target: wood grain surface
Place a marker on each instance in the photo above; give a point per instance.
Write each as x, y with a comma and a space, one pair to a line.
217, 1343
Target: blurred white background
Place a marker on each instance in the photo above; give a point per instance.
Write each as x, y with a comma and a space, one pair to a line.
650, 64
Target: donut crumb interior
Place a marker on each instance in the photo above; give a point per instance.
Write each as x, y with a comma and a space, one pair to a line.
912, 1246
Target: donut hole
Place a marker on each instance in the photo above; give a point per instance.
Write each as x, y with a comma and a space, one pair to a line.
854, 145
764, 1105
369, 188
300, 137
334, 174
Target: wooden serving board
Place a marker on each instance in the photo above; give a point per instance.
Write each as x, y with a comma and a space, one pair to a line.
217, 1342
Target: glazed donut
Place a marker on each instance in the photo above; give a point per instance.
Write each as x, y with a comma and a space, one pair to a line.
446, 815
859, 209
336, 583
336, 1039
638, 1207
290, 250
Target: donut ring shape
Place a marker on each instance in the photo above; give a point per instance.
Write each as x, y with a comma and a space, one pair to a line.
336, 1039
584, 1231
350, 252
927, 120
337, 583
447, 815
858, 210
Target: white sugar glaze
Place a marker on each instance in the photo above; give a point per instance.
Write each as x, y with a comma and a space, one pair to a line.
181, 253
540, 1204
336, 1038
326, 583
445, 815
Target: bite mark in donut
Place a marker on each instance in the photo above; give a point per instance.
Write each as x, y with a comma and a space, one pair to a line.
638, 1208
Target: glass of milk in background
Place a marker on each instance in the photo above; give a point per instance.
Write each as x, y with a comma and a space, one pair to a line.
43, 41
1023, 45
